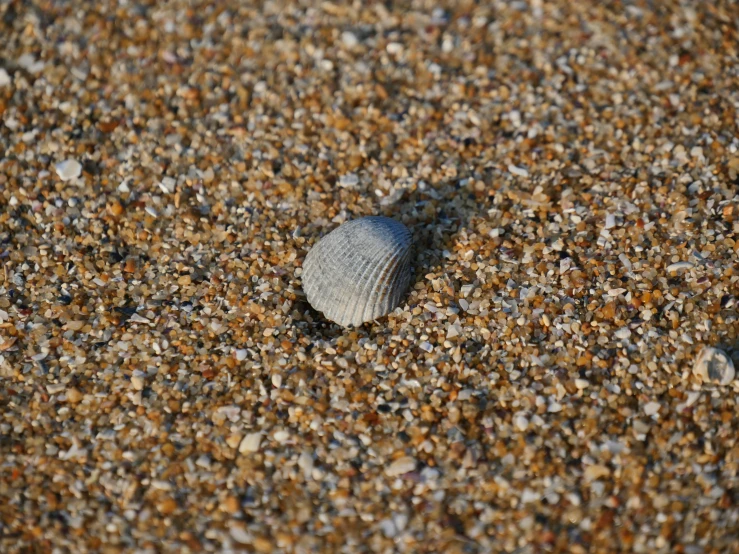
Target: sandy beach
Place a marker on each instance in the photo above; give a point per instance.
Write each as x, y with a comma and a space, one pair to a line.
569, 172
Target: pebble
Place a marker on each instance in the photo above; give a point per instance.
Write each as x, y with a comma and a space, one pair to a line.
519, 171
521, 422
240, 535
68, 170
74, 396
349, 39
5, 79
401, 466
250, 443
234, 440
138, 379
167, 506
350, 180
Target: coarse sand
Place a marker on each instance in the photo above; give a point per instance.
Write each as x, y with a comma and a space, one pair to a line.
569, 171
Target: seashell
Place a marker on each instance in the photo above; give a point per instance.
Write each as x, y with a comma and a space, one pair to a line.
714, 366
359, 271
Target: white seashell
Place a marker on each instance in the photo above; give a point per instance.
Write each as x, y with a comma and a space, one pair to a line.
714, 366
359, 271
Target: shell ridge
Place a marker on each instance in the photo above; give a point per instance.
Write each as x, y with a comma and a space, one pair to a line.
332, 262
398, 270
380, 290
395, 286
366, 292
362, 293
391, 286
351, 302
316, 262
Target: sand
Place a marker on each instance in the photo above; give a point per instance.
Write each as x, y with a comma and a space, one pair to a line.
569, 171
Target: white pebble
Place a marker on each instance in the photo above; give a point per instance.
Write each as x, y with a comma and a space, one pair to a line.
651, 408
520, 422
454, 331
388, 528
714, 366
241, 354
349, 180
68, 170
394, 48
610, 221
167, 185
5, 79
349, 39
240, 535
679, 265
137, 379
277, 380
250, 443
520, 171
529, 496
401, 466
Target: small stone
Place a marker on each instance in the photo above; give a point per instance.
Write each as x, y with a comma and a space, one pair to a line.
651, 408
167, 506
137, 379
387, 526
520, 422
250, 443
596, 472
454, 331
5, 79
714, 366
350, 180
678, 266
234, 440
519, 171
349, 39
231, 505
116, 208
401, 466
394, 48
68, 170
167, 185
74, 396
240, 535
263, 545
528, 496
